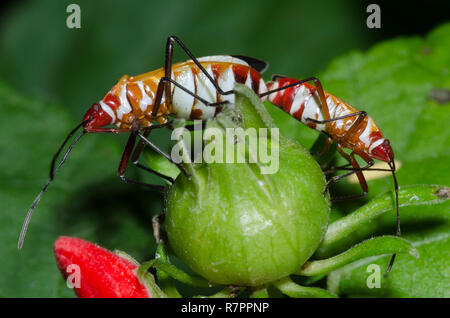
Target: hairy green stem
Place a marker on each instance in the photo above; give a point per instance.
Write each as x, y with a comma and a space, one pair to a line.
409, 195
173, 272
165, 281
375, 246
291, 289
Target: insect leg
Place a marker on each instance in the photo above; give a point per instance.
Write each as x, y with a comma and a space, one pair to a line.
163, 83
345, 167
169, 53
362, 181
360, 115
140, 147
357, 169
158, 150
124, 162
334, 169
323, 104
127, 152
135, 159
171, 40
106, 130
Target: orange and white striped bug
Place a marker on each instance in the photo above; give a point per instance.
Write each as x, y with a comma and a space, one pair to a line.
195, 89
343, 124
198, 88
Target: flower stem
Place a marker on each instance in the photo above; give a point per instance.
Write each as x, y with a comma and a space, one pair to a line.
173, 272
291, 289
372, 247
166, 283
409, 195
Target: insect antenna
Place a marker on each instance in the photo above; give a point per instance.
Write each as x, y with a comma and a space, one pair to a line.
52, 166
52, 174
392, 166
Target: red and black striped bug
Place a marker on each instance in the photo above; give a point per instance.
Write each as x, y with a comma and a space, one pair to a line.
198, 88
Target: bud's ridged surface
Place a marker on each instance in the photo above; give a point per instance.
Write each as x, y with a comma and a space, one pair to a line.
234, 225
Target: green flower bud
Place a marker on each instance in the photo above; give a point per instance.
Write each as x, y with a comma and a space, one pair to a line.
238, 223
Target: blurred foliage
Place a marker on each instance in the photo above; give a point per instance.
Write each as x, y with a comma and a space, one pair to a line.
426, 276
66, 70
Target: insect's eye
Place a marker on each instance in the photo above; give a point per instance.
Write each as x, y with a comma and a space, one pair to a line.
386, 142
96, 107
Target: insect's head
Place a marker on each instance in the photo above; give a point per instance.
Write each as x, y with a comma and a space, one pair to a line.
96, 117
383, 151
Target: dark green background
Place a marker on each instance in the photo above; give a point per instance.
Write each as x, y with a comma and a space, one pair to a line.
50, 75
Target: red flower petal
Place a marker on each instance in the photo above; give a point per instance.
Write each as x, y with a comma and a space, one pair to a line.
103, 274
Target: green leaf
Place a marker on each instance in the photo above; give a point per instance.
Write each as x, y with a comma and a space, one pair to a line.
427, 276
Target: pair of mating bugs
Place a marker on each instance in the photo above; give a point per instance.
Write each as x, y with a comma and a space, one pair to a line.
199, 88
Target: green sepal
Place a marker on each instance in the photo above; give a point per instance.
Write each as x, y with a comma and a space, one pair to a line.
291, 289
